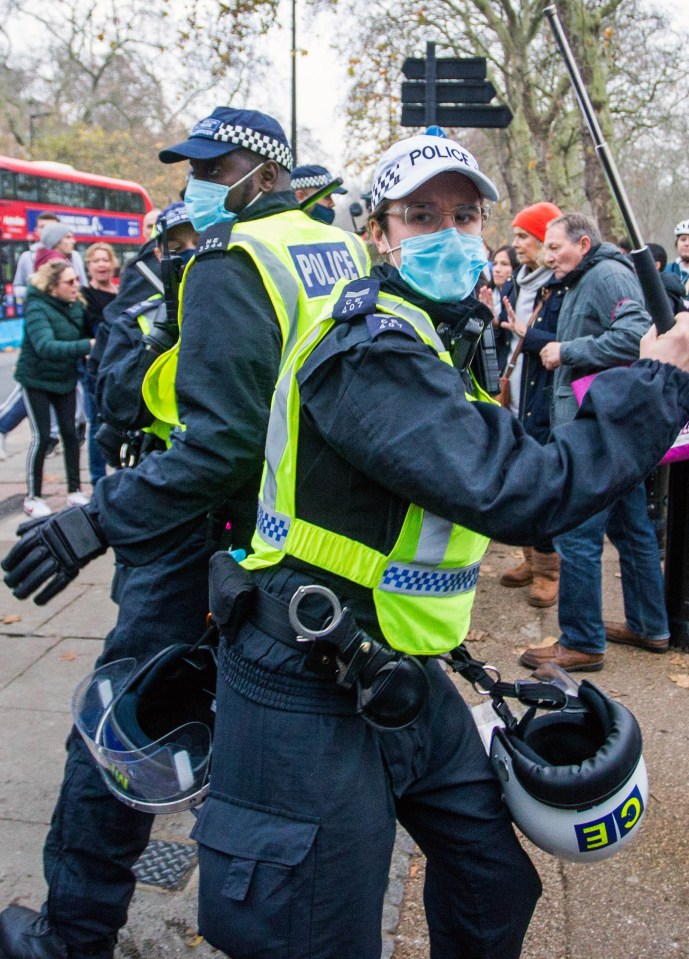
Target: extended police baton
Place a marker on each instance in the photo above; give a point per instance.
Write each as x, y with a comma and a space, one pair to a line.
165, 332
149, 276
657, 302
170, 276
321, 194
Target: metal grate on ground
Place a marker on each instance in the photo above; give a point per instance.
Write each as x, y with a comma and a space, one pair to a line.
166, 864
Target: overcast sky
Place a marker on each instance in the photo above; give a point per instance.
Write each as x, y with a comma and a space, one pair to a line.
321, 81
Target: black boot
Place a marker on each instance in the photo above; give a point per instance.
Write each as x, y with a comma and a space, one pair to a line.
26, 934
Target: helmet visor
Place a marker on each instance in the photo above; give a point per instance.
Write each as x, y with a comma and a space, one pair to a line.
139, 771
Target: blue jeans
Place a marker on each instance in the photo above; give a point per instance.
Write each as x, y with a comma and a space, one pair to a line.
581, 594
94, 839
96, 460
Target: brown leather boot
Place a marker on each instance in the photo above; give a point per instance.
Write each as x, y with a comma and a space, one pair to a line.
546, 579
520, 575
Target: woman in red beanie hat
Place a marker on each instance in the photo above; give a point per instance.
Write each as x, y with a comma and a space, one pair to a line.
530, 316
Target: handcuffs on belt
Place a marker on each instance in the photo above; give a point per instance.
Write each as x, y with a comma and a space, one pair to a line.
392, 687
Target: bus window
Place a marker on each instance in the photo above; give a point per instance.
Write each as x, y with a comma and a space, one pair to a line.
26, 187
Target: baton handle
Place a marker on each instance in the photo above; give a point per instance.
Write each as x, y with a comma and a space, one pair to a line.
321, 194
657, 301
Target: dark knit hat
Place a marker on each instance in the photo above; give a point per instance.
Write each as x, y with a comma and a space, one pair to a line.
534, 219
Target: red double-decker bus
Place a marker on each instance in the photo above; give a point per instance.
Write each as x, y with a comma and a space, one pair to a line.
94, 207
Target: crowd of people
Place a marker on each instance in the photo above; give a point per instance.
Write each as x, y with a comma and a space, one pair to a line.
302, 418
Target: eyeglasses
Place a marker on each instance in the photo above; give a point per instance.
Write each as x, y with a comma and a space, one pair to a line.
427, 217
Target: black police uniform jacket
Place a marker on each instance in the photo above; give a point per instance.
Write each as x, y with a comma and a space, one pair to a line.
223, 397
385, 422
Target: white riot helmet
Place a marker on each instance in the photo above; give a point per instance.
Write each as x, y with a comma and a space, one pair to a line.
150, 729
682, 228
575, 780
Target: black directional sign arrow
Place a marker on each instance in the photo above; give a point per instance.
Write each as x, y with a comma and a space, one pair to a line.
497, 117
467, 91
447, 68
443, 90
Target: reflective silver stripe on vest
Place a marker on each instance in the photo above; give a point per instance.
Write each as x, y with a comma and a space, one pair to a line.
420, 580
361, 254
276, 440
411, 314
433, 540
272, 526
286, 283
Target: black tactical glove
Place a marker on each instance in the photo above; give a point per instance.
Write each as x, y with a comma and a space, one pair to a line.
51, 551
110, 441
163, 336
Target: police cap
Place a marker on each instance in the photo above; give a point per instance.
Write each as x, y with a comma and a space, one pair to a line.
228, 129
310, 176
174, 215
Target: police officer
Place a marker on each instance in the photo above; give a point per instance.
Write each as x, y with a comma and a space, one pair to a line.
309, 179
131, 348
383, 479
261, 273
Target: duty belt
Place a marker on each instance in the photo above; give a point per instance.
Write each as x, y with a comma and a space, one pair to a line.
391, 687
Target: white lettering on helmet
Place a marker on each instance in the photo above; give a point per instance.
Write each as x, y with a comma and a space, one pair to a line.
441, 151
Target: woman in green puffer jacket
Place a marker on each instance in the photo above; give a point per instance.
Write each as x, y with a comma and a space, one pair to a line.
55, 338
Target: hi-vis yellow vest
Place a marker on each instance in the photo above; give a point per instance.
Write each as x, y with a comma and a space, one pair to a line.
153, 306
424, 588
299, 261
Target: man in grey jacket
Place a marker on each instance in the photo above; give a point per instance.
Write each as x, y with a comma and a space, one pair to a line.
600, 325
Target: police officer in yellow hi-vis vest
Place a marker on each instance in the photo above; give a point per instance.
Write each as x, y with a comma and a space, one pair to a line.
386, 471
260, 276
129, 351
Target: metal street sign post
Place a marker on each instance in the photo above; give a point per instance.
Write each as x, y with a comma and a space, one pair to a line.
445, 91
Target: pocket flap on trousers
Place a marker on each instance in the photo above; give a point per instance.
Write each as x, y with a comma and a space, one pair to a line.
252, 833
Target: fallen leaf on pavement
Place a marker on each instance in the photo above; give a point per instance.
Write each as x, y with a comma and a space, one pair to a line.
12, 619
678, 660
681, 680
413, 869
68, 657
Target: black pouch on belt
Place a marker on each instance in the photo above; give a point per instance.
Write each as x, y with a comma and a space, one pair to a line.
232, 591
391, 687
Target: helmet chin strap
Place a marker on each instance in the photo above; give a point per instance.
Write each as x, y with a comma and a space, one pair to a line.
541, 694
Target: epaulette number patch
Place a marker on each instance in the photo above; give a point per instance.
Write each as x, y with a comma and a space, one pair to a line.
356, 299
384, 323
215, 239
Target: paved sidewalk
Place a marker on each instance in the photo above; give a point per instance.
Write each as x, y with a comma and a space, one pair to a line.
44, 652
634, 906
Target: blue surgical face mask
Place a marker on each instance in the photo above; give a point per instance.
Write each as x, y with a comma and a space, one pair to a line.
324, 214
444, 266
205, 201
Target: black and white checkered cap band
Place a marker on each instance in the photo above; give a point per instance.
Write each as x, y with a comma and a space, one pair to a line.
304, 182
256, 142
391, 177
